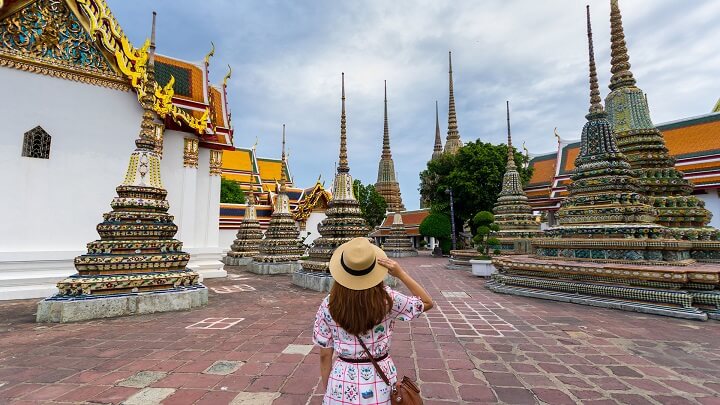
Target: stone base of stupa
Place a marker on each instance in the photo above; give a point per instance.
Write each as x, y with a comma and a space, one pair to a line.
706, 251
64, 309
690, 292
270, 268
323, 281
401, 253
460, 259
237, 261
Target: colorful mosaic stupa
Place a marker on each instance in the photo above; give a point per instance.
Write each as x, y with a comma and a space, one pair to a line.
644, 146
608, 251
398, 243
248, 237
512, 212
136, 266
344, 221
387, 185
281, 248
452, 142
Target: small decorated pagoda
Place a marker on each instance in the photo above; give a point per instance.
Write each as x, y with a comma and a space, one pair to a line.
512, 212
608, 251
437, 146
248, 237
644, 146
452, 142
137, 266
343, 221
398, 243
387, 185
281, 248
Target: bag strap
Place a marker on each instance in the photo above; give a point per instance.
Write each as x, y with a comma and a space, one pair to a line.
377, 366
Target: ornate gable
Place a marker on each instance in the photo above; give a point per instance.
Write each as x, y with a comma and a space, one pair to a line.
46, 36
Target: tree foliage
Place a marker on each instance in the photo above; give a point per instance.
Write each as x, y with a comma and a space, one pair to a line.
475, 176
372, 204
230, 192
484, 225
436, 225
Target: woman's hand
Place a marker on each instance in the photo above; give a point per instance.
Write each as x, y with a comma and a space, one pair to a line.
394, 269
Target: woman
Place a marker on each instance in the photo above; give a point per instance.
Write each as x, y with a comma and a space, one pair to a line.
360, 305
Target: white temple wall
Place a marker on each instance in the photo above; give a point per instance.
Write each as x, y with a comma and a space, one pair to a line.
227, 237
712, 203
52, 206
311, 226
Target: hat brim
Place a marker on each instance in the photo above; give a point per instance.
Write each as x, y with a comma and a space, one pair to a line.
347, 280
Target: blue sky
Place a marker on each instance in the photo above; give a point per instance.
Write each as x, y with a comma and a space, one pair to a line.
287, 57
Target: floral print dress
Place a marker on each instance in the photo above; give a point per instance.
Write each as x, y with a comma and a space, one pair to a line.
358, 383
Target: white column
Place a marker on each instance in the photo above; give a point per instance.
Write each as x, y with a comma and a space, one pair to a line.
186, 217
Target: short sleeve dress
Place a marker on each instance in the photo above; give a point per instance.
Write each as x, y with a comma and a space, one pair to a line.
357, 383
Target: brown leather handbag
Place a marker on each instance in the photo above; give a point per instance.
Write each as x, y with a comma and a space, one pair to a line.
405, 392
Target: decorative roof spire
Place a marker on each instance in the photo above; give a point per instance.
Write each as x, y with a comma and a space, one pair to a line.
511, 155
343, 166
283, 167
146, 141
595, 101
438, 147
227, 76
386, 131
619, 59
210, 54
453, 142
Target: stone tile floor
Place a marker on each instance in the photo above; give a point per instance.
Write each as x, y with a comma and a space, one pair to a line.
251, 345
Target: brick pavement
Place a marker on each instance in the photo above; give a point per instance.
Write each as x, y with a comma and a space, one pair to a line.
251, 343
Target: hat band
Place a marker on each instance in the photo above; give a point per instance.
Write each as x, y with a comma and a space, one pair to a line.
356, 272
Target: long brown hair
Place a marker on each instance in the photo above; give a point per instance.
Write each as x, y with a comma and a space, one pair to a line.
358, 311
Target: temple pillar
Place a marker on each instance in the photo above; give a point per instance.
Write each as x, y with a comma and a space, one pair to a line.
186, 219
205, 253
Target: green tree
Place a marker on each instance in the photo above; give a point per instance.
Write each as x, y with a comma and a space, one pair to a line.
436, 225
475, 176
484, 225
372, 204
230, 192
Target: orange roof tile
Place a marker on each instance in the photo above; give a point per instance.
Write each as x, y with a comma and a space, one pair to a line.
409, 218
188, 78
692, 140
544, 169
216, 107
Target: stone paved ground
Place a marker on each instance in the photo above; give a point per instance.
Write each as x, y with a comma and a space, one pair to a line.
250, 345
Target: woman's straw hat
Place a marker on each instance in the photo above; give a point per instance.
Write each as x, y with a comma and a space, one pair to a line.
354, 264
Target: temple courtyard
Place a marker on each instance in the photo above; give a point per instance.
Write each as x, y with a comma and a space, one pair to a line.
252, 345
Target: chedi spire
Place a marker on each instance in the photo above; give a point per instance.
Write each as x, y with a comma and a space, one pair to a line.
453, 142
387, 185
437, 147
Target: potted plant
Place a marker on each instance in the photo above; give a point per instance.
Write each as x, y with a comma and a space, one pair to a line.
484, 223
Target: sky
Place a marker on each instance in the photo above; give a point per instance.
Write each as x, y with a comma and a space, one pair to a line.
287, 58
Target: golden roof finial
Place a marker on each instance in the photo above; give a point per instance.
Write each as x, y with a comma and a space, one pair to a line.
210, 54
557, 135
227, 76
527, 153
619, 59
255, 144
595, 101
343, 166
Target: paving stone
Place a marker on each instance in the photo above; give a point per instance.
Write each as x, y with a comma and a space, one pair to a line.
142, 379
298, 349
255, 398
149, 396
223, 367
515, 395
624, 371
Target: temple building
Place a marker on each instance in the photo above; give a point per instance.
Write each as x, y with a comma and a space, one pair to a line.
512, 212
344, 220
387, 185
452, 142
610, 247
74, 111
399, 243
411, 221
